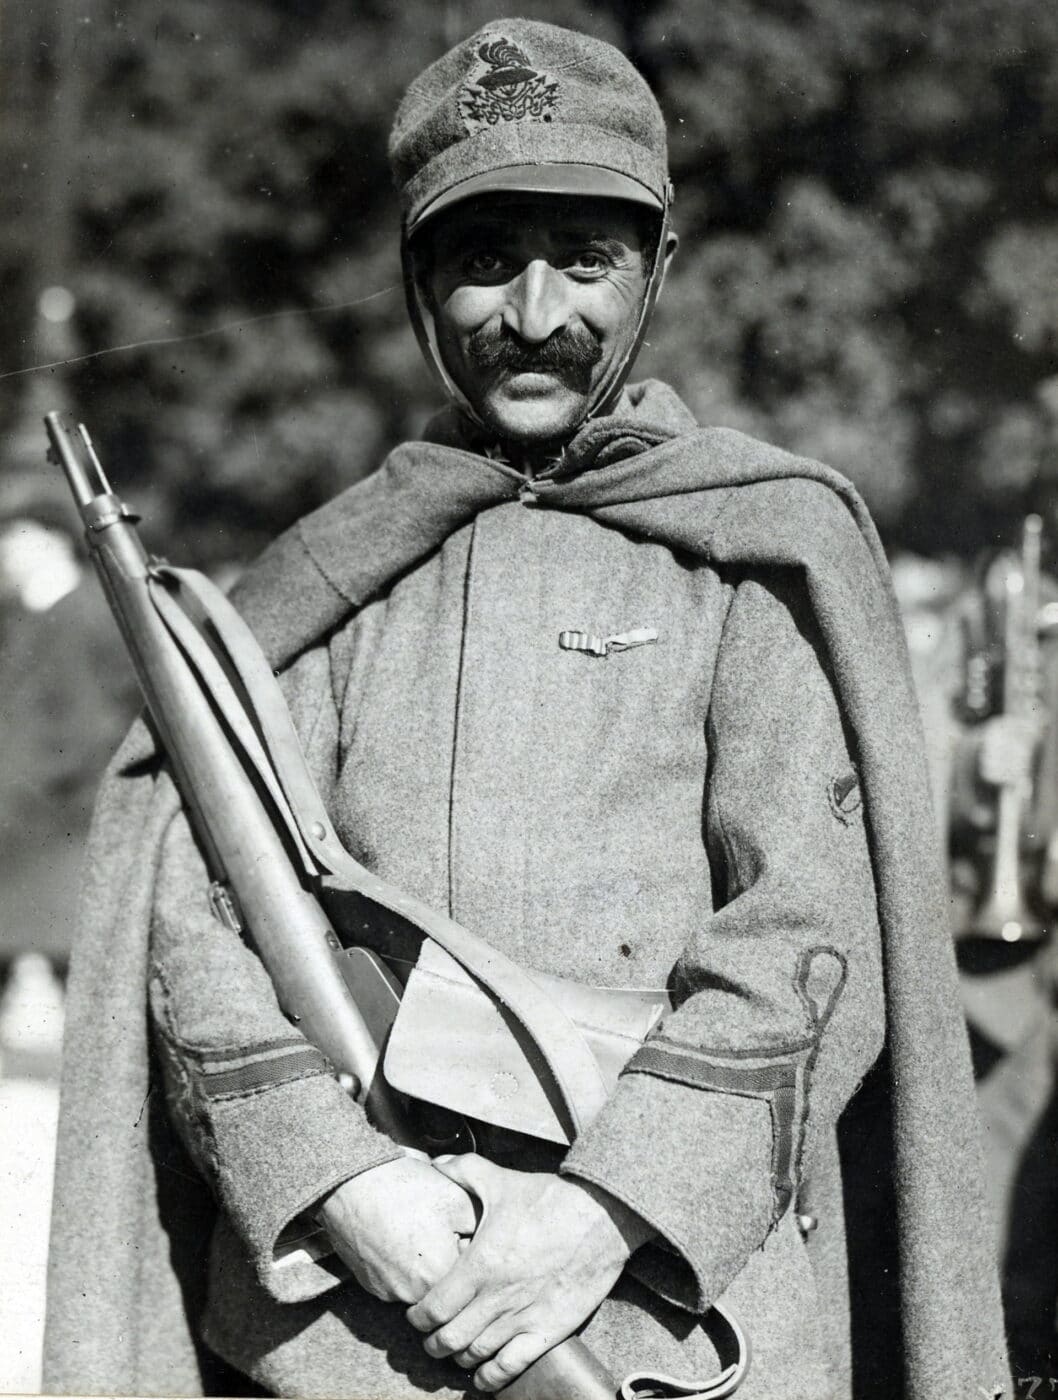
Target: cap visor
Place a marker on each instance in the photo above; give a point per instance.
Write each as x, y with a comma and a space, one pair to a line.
585, 181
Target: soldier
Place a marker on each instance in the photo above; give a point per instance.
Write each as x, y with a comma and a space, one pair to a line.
628, 698
985, 658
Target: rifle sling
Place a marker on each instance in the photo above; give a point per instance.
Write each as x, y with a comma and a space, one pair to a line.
733, 1343
214, 680
229, 660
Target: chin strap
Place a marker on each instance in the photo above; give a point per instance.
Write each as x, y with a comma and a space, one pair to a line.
606, 391
426, 334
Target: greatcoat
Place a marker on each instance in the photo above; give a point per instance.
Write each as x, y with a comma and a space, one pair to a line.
735, 810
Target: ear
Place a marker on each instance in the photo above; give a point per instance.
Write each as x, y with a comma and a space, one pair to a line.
418, 263
672, 242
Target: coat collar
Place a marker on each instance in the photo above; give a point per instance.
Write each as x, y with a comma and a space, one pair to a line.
646, 468
644, 415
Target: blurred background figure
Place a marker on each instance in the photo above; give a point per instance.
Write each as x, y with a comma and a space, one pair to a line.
984, 646
31, 1021
197, 257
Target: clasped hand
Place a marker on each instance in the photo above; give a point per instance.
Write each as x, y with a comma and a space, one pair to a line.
544, 1254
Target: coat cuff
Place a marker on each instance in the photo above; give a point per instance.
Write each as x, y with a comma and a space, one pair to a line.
275, 1133
280, 1150
697, 1166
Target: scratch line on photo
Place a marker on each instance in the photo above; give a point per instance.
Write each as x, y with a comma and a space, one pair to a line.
202, 335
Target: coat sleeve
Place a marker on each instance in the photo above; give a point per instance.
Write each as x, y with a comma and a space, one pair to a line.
779, 1004
258, 1107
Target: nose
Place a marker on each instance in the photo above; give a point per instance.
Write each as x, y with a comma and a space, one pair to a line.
538, 302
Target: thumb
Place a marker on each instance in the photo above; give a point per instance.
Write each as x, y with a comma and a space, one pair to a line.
460, 1208
475, 1174
455, 1200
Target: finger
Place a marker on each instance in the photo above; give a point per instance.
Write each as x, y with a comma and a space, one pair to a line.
464, 1330
445, 1300
509, 1363
488, 1342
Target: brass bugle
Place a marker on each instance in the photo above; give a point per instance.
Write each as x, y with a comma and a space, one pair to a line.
1004, 912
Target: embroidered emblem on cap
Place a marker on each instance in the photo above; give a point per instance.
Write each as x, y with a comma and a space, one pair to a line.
504, 87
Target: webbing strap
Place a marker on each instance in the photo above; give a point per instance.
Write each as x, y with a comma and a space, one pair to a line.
260, 723
212, 675
649, 1385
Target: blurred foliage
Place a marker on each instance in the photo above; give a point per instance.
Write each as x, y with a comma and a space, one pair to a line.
867, 201
871, 242
866, 197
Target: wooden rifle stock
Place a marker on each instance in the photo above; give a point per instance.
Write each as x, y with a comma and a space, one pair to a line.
257, 881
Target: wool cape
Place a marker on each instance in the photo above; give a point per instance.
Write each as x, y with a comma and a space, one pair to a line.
131, 1219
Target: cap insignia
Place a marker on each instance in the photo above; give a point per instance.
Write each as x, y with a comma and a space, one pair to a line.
503, 86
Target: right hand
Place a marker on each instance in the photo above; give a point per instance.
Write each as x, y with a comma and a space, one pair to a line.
398, 1227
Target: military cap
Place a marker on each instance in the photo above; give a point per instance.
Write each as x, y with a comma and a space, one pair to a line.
523, 105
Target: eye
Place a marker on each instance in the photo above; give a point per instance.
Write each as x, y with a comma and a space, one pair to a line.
486, 265
587, 263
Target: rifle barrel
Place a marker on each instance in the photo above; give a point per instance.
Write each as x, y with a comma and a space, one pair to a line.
67, 458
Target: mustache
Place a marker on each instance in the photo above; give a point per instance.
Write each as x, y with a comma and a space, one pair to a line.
571, 353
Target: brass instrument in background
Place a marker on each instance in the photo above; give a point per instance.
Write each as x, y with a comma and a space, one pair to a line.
1003, 678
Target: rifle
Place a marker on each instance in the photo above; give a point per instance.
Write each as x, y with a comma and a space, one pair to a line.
216, 710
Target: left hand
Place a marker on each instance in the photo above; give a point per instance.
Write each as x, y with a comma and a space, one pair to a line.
546, 1253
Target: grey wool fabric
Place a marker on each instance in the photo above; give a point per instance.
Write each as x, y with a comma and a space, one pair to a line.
767, 587
522, 93
599, 873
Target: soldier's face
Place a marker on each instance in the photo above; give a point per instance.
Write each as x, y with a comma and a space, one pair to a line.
534, 299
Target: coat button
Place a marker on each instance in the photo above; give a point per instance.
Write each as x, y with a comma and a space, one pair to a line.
807, 1223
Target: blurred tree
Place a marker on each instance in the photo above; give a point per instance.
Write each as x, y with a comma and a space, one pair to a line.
868, 202
235, 213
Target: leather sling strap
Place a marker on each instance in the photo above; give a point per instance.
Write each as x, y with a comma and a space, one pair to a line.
213, 677
650, 1385
228, 659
